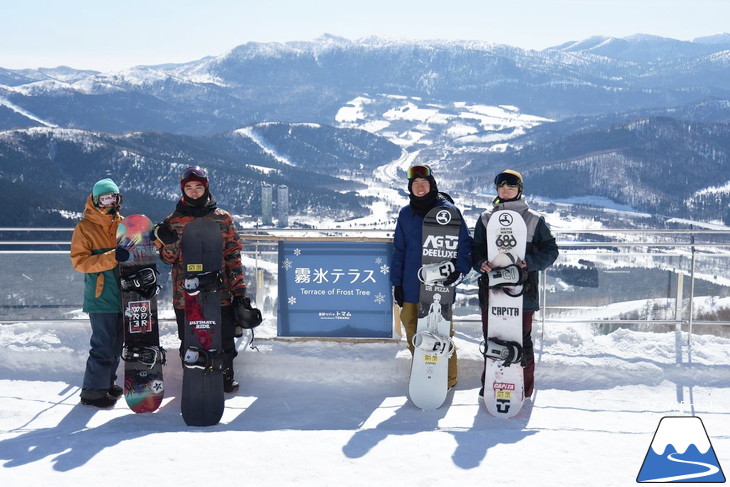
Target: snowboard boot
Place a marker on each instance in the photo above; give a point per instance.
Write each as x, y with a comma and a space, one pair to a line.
230, 386
115, 391
104, 402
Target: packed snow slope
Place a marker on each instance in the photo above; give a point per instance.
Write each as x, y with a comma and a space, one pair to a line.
314, 412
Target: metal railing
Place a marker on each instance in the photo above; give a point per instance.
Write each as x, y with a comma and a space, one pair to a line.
685, 255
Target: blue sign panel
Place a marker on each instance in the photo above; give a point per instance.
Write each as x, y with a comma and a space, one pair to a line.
335, 289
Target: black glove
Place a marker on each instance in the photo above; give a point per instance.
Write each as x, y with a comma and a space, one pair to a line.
244, 315
452, 278
398, 295
121, 254
164, 233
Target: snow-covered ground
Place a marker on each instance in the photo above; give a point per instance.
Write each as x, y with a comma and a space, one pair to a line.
313, 412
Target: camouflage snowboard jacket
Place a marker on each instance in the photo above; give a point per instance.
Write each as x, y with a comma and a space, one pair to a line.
233, 268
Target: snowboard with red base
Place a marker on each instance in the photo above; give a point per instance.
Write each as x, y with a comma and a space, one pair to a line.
428, 382
144, 387
202, 357
504, 379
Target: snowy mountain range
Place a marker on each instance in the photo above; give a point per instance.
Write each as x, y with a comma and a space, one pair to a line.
655, 108
56, 167
309, 81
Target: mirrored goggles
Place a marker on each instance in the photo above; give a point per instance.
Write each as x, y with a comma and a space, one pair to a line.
193, 171
507, 179
418, 172
109, 199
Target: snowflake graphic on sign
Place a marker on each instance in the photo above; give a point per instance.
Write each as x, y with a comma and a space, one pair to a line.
287, 264
292, 300
384, 269
379, 298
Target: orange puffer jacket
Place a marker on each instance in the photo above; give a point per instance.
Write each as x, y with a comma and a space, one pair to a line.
93, 247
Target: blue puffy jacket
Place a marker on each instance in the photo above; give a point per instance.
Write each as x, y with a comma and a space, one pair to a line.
407, 244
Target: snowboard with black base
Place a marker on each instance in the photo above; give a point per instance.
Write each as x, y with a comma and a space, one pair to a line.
428, 383
202, 356
502, 349
143, 357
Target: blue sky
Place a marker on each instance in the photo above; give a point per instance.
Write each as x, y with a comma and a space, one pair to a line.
115, 34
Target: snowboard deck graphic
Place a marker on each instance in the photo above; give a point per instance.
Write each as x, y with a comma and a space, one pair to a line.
504, 384
144, 387
202, 392
428, 382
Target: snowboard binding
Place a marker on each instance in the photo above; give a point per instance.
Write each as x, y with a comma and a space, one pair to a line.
148, 356
496, 349
206, 281
512, 275
436, 273
143, 282
506, 279
208, 360
434, 343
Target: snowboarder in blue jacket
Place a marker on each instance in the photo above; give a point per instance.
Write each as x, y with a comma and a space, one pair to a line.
424, 195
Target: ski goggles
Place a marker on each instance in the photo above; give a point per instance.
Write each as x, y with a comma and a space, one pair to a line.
193, 171
109, 199
507, 179
418, 172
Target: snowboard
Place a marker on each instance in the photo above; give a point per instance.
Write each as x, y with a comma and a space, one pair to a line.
202, 357
143, 357
428, 382
504, 381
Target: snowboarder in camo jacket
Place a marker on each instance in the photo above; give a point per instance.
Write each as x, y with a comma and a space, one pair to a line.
198, 202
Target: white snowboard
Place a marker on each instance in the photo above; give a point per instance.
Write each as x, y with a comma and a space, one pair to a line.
504, 387
428, 382
427, 386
